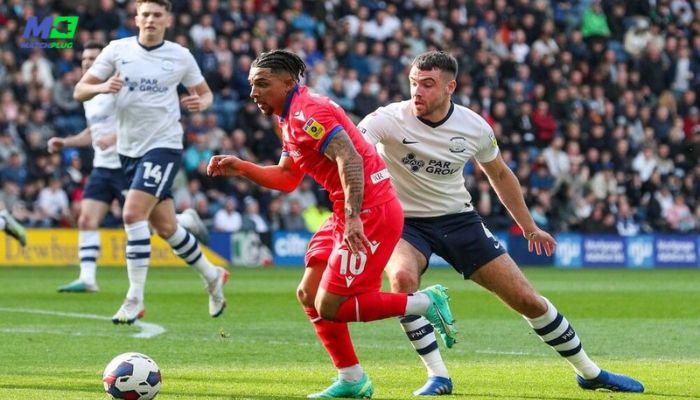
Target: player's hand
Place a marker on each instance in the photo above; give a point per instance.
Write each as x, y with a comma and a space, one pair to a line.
537, 239
355, 237
113, 84
55, 144
224, 166
193, 103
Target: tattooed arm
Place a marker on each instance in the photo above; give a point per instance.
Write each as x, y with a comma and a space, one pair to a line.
351, 171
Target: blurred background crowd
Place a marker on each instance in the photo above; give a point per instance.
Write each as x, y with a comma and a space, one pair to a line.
594, 102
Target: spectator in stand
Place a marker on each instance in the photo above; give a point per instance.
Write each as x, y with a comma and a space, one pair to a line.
617, 76
679, 216
293, 220
228, 219
545, 124
626, 223
53, 203
252, 220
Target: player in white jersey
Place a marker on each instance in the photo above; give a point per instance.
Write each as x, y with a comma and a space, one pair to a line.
106, 182
425, 143
143, 74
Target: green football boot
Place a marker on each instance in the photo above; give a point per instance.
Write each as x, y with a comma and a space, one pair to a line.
361, 389
439, 314
78, 286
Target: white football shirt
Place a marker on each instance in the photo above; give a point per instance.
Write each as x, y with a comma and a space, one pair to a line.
148, 109
426, 160
99, 113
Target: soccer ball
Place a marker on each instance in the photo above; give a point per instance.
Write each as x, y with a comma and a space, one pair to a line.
132, 376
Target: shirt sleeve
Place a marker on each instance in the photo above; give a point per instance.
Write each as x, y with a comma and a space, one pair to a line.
374, 127
488, 146
320, 126
193, 75
103, 67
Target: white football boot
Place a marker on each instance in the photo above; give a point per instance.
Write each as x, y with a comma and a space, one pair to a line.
131, 310
217, 301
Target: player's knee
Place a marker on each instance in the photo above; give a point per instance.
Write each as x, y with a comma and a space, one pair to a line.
305, 297
87, 222
131, 217
403, 281
165, 229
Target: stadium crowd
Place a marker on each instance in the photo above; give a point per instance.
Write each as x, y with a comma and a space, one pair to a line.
594, 103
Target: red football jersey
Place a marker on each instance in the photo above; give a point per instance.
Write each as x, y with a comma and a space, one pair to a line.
308, 123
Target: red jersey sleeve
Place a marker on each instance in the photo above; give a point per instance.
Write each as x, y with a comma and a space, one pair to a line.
318, 126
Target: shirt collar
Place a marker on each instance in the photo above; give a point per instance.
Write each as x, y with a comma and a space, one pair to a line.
149, 48
442, 121
288, 102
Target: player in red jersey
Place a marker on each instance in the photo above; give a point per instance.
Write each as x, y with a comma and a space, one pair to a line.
346, 257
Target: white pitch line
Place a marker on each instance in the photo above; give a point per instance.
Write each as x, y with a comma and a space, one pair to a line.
148, 330
507, 353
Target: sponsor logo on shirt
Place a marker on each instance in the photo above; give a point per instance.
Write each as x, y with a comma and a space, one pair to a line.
435, 167
145, 85
412, 162
299, 115
314, 128
493, 139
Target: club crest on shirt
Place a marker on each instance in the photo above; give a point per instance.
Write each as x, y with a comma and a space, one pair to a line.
314, 128
168, 65
458, 144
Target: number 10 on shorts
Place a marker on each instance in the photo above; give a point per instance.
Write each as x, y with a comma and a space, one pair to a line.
354, 262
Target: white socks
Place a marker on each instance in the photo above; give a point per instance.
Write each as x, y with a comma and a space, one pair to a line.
417, 303
186, 247
138, 255
556, 332
89, 251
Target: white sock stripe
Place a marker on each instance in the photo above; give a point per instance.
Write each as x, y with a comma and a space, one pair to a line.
414, 325
137, 262
138, 230
557, 331
544, 319
89, 238
571, 344
188, 246
88, 253
177, 237
424, 342
138, 249
193, 257
190, 252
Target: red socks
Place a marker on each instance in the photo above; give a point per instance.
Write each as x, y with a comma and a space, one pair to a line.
335, 338
372, 306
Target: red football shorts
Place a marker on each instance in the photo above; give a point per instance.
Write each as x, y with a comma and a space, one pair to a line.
349, 274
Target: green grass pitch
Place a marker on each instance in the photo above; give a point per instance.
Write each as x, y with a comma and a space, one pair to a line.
645, 323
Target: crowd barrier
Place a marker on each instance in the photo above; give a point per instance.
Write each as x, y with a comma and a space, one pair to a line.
59, 247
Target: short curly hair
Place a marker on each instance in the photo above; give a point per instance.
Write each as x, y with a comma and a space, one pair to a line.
441, 60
